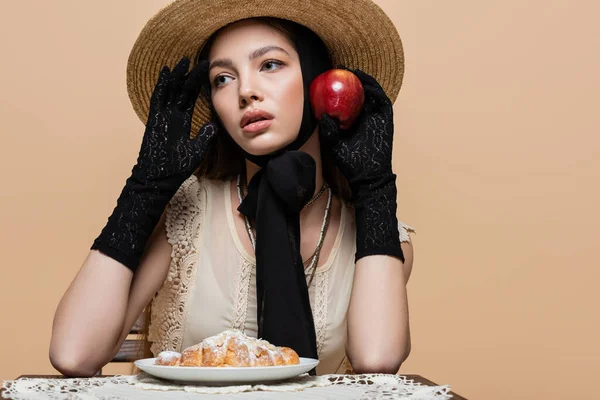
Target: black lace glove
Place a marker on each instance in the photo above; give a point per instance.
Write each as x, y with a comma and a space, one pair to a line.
167, 158
363, 154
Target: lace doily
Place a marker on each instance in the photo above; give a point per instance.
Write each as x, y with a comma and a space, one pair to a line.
144, 386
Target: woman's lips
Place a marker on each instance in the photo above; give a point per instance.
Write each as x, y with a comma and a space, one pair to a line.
257, 126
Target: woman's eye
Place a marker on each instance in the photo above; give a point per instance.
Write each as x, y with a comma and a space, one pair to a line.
265, 64
273, 62
216, 80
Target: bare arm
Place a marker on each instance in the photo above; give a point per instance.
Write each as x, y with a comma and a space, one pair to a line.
101, 305
378, 326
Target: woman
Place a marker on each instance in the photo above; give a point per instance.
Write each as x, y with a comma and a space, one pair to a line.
269, 231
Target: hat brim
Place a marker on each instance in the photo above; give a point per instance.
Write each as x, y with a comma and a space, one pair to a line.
357, 32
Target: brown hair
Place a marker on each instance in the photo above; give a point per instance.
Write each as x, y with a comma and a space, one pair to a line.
224, 161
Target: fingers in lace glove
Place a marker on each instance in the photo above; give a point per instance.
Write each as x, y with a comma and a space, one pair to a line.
167, 150
166, 159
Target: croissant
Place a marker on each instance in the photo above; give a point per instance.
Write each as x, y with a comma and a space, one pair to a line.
230, 348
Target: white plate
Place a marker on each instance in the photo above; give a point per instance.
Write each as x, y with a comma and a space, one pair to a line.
226, 375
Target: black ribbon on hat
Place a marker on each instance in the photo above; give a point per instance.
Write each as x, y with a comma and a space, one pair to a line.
276, 194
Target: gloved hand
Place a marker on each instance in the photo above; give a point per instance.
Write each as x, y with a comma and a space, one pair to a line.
363, 153
166, 159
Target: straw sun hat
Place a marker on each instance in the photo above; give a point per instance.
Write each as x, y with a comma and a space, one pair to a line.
357, 32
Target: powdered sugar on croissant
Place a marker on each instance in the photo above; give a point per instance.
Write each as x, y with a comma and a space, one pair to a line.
168, 358
232, 348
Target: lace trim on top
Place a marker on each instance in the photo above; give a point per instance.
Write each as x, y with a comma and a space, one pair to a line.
404, 231
242, 290
319, 308
169, 306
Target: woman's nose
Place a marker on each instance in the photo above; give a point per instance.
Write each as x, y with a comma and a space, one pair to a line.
249, 91
245, 99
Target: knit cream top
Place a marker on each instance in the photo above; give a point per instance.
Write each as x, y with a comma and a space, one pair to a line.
211, 283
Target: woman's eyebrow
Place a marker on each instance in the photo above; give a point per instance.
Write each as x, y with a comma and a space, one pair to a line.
227, 63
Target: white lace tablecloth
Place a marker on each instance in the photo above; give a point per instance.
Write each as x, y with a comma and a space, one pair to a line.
144, 386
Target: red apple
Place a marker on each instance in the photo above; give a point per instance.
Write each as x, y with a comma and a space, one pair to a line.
338, 93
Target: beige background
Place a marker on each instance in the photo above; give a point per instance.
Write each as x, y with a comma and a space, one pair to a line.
498, 162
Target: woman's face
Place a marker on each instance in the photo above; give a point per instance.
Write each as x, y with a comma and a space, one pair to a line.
245, 76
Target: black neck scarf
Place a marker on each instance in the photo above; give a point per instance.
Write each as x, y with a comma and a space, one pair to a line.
276, 194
